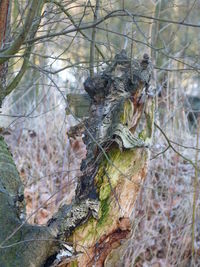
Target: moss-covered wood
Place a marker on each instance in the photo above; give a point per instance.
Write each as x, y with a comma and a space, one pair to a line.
117, 134
124, 133
20, 244
117, 185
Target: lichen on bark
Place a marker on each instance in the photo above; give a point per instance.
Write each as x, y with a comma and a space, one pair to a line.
117, 162
112, 173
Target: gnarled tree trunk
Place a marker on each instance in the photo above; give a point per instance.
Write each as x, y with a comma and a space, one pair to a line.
117, 134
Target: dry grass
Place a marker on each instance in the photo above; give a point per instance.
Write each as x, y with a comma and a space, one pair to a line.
162, 228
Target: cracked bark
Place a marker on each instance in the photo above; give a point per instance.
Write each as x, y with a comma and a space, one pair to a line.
99, 218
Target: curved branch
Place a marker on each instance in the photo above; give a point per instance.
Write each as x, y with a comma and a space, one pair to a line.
27, 54
20, 74
15, 46
172, 147
92, 45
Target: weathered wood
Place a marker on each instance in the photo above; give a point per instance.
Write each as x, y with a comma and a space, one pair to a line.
116, 162
117, 134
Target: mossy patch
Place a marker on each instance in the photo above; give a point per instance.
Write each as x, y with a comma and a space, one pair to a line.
105, 191
104, 211
87, 231
110, 175
8, 172
74, 263
126, 115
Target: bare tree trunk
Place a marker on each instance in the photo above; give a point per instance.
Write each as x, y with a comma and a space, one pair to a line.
115, 166
4, 32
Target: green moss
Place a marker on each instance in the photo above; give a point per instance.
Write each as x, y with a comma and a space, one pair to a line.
125, 162
142, 135
122, 160
108, 176
93, 229
127, 113
104, 210
104, 173
8, 172
74, 263
5, 157
100, 175
90, 225
105, 191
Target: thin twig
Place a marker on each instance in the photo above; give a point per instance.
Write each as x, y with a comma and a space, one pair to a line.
172, 147
92, 45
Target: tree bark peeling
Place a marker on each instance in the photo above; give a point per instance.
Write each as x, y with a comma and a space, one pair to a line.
99, 218
118, 103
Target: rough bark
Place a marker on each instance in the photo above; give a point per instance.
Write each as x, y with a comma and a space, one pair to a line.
117, 136
116, 164
4, 25
29, 29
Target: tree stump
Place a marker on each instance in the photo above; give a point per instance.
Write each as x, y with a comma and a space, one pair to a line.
117, 134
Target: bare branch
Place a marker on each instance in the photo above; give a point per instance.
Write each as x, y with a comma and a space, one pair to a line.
15, 46
92, 45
